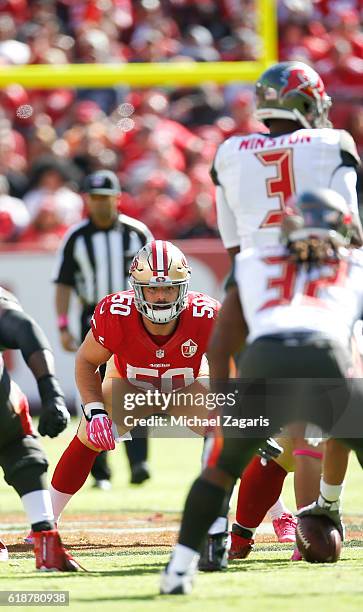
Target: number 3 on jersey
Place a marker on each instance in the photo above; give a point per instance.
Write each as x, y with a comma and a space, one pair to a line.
282, 185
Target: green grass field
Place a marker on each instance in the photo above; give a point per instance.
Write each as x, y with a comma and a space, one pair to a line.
124, 565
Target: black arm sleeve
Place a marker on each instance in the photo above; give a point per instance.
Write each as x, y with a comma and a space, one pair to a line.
19, 331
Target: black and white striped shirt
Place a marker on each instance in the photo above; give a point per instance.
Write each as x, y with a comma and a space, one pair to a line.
95, 262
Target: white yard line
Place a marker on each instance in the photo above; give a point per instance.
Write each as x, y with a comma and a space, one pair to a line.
14, 529
91, 527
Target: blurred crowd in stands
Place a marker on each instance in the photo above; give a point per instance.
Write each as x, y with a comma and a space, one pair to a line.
160, 142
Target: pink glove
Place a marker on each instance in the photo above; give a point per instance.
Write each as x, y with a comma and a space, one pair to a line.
99, 432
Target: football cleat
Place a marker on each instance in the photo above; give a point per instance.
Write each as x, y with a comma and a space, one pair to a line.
50, 555
214, 554
176, 583
4, 555
139, 473
240, 546
29, 539
330, 510
103, 484
284, 528
296, 555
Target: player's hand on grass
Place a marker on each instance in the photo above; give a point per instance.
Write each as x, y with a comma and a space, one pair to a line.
332, 512
99, 431
54, 417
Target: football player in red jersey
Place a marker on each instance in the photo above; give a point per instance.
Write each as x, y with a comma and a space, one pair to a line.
153, 338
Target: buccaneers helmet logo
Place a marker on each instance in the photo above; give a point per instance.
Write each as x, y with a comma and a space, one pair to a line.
297, 79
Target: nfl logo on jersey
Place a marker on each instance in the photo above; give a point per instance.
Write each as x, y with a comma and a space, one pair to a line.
189, 348
160, 353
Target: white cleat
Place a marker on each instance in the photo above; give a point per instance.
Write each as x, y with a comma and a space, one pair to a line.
176, 583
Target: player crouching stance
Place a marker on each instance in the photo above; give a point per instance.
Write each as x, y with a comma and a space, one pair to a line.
153, 338
297, 305
21, 456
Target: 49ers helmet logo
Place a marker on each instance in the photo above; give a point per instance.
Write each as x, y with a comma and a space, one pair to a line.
134, 264
189, 348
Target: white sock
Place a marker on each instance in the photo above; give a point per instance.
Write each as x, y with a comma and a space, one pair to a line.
330, 493
219, 525
183, 559
38, 506
59, 501
278, 509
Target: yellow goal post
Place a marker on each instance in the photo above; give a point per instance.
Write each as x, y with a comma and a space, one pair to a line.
49, 76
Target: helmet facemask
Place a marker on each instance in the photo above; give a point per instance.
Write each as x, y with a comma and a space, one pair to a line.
163, 312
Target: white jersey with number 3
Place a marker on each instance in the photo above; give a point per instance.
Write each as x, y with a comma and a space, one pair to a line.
256, 175
278, 296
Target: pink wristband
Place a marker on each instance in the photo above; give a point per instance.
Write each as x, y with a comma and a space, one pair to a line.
307, 453
62, 321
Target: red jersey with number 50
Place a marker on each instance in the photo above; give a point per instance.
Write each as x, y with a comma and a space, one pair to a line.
278, 296
118, 326
257, 174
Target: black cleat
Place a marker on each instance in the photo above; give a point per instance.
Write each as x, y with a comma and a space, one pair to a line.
214, 555
139, 473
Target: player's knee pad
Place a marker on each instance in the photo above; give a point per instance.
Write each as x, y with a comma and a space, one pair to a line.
234, 454
24, 464
286, 459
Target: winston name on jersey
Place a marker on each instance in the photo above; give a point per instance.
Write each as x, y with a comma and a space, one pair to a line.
118, 326
279, 296
256, 175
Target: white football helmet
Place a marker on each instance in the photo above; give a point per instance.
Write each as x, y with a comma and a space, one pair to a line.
159, 263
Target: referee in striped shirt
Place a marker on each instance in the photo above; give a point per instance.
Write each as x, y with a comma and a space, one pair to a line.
94, 261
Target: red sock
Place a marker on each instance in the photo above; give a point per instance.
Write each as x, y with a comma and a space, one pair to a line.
73, 467
259, 489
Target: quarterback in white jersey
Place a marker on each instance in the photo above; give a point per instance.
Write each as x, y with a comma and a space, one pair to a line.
255, 175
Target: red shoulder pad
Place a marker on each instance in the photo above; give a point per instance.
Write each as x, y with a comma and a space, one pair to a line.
108, 317
202, 306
